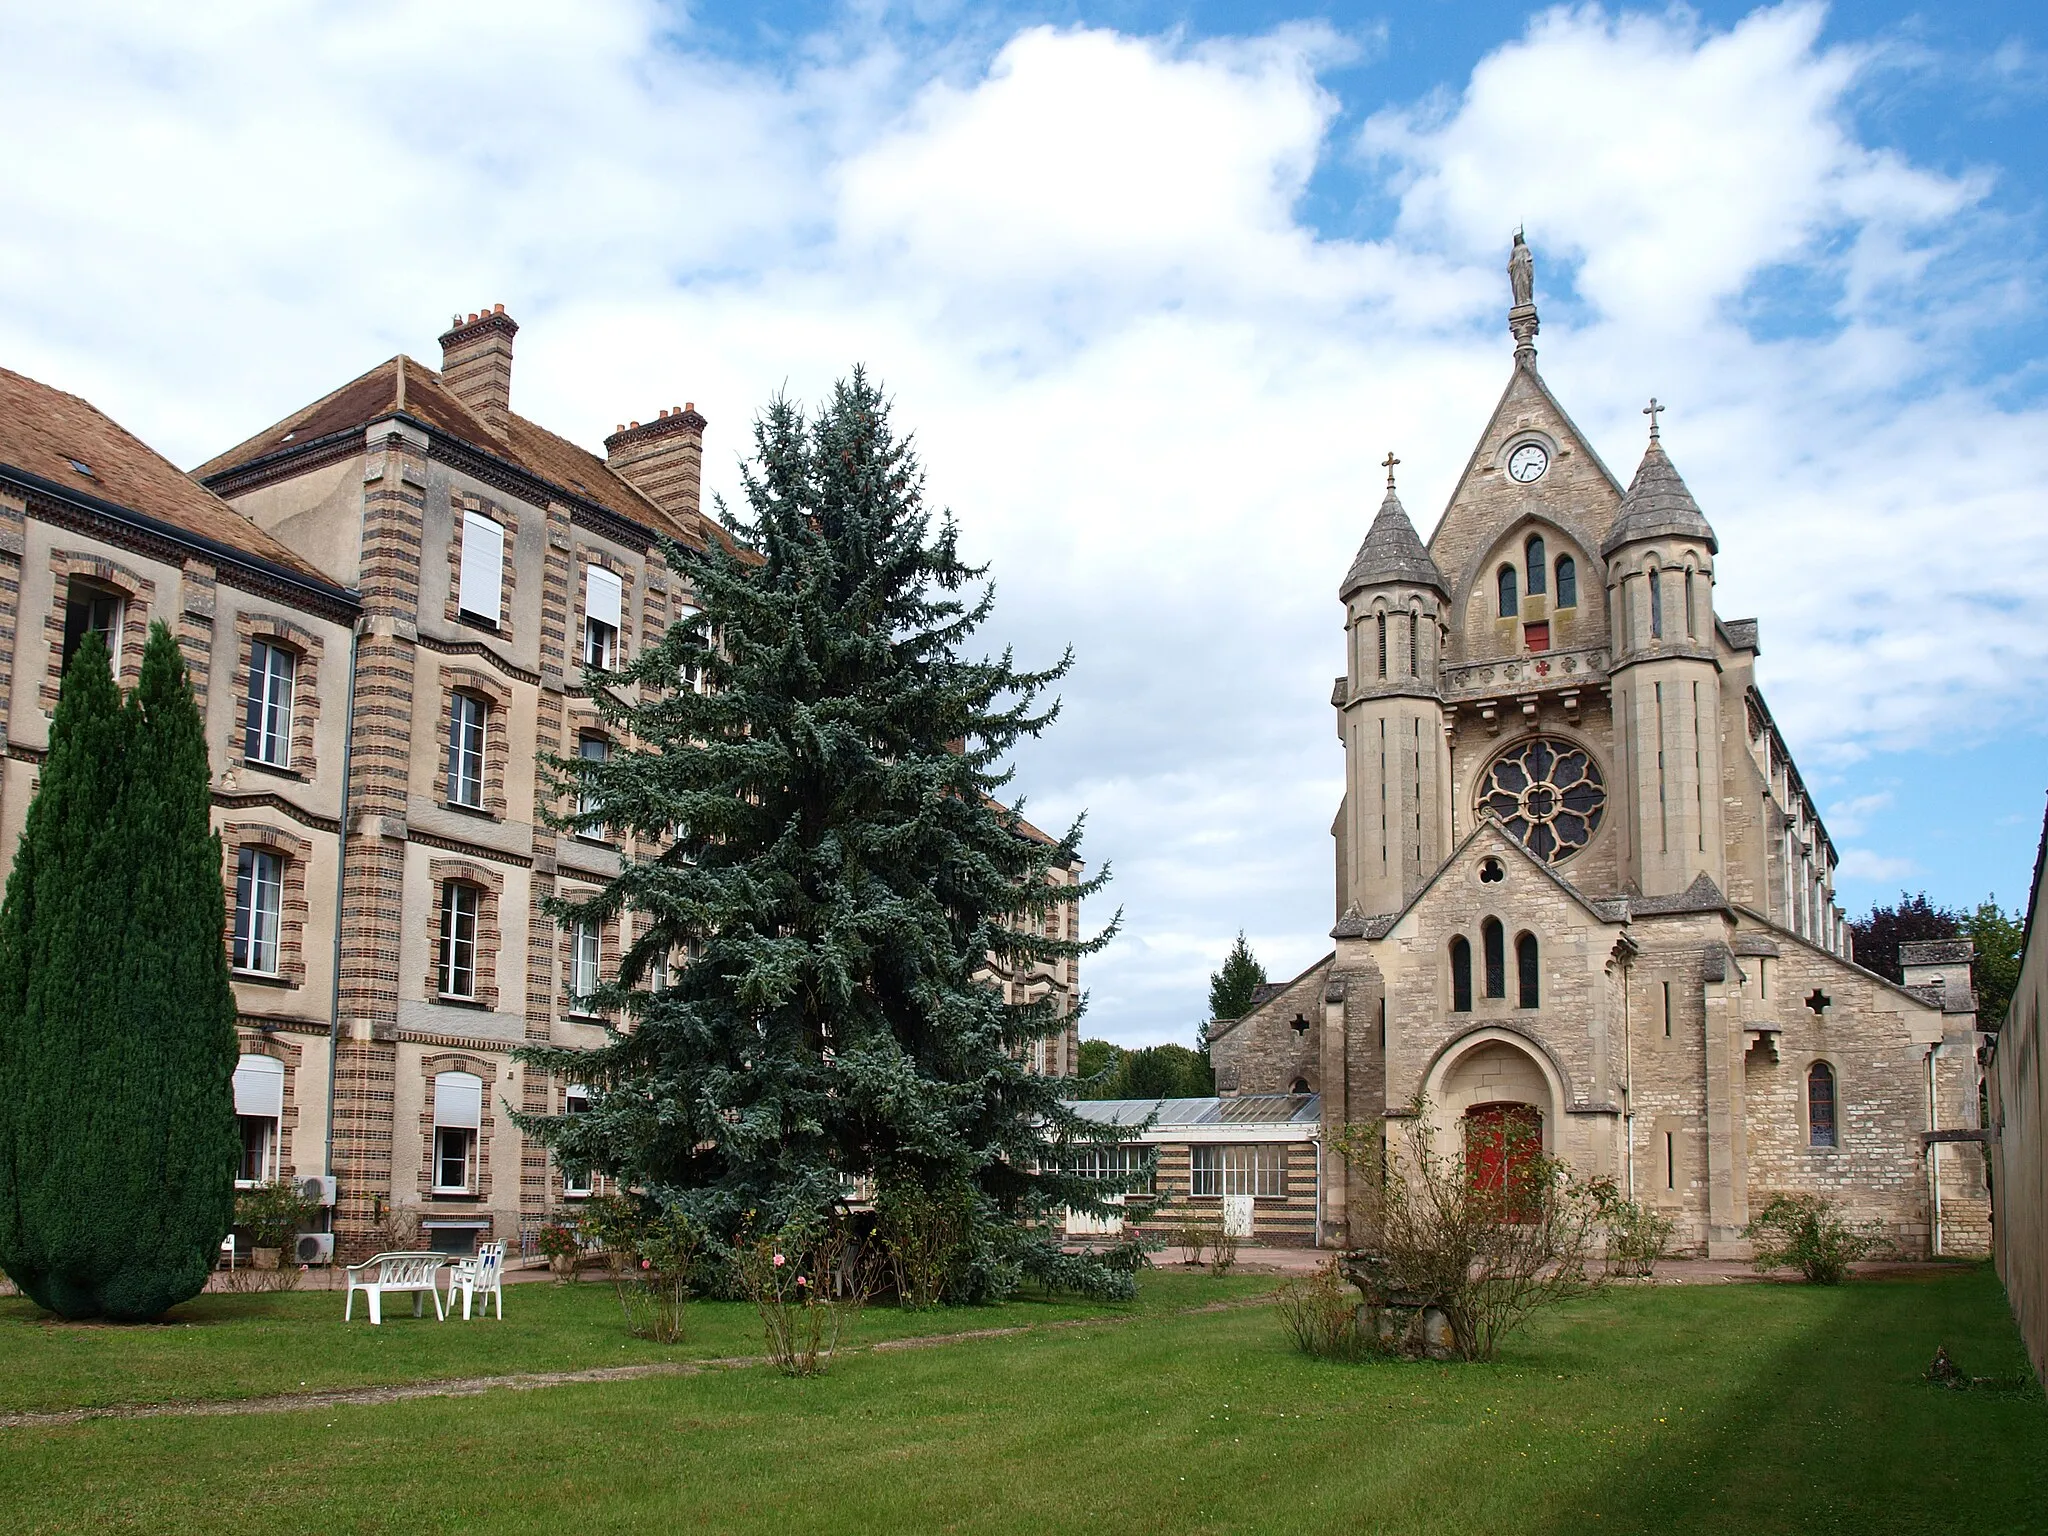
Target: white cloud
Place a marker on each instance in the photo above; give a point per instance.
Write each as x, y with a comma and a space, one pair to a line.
1863, 864
1153, 394
1851, 817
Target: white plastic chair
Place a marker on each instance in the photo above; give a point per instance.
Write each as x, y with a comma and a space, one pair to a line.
227, 1252
396, 1272
481, 1276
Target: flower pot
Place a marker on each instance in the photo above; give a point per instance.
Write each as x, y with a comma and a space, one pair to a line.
264, 1258
563, 1265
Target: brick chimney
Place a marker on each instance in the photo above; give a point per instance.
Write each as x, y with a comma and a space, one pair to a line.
662, 459
476, 365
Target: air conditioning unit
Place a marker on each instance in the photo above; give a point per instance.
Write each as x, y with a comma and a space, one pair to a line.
317, 1187
315, 1248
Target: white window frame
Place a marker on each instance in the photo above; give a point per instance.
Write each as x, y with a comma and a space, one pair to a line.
585, 962
603, 618
469, 727
259, 1108
480, 591
458, 1119
461, 905
577, 1185
92, 594
585, 805
273, 680
1258, 1169
259, 874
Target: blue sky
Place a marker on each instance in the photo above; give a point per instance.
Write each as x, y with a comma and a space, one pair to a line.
1157, 286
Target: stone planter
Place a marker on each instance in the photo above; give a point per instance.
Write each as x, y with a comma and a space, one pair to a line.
563, 1267
264, 1258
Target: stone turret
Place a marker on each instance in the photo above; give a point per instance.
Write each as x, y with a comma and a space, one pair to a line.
1659, 553
1394, 829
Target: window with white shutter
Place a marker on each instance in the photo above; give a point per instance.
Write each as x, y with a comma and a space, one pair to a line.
483, 567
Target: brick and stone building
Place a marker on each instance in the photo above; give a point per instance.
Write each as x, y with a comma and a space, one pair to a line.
1579, 880
386, 602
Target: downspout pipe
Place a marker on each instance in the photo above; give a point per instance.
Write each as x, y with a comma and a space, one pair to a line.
1933, 1155
348, 741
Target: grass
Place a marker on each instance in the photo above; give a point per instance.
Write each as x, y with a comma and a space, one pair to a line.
1739, 1408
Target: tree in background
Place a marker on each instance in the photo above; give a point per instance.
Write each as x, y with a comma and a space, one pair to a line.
836, 872
1151, 1072
1914, 920
1999, 939
1231, 989
114, 995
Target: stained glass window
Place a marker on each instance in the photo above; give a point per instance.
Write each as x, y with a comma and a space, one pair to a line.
1548, 795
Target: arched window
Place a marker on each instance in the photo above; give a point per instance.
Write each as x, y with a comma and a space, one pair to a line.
1414, 642
1534, 551
1656, 604
1567, 582
1494, 943
1691, 624
1525, 971
1383, 642
1820, 1105
1461, 975
1509, 606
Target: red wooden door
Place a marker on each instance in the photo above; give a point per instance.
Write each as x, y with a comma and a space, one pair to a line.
1502, 1144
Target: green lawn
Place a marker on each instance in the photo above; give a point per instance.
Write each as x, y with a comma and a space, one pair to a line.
1733, 1408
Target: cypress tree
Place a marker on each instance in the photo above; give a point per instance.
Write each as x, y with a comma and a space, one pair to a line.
839, 872
117, 1048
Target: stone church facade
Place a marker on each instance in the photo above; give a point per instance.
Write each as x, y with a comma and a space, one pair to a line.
1579, 879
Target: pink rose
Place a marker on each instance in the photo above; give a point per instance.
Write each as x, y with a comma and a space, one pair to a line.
779, 1261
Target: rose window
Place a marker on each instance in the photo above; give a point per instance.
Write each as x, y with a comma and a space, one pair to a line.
1548, 795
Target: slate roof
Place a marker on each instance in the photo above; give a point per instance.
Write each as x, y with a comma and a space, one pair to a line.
1657, 505
1392, 552
44, 430
1701, 896
526, 444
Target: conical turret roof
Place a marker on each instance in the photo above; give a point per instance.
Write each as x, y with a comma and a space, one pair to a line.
1392, 553
1657, 506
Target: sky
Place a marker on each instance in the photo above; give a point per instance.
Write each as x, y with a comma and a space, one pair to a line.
1156, 287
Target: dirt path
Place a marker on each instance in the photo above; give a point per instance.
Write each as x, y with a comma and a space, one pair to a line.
529, 1381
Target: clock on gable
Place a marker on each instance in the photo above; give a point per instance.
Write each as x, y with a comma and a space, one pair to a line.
1528, 462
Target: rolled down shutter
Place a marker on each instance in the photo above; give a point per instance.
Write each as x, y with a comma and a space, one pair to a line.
483, 566
259, 1087
605, 596
458, 1100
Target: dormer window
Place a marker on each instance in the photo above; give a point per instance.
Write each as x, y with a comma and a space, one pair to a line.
1534, 551
1510, 605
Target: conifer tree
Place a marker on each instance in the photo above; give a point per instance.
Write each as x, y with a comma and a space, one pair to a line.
117, 1128
1231, 989
840, 870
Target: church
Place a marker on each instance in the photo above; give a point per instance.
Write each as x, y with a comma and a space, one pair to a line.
1580, 884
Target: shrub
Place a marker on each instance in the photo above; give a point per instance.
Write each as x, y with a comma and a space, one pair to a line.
926, 1234
1484, 1250
1809, 1233
1222, 1250
1191, 1236
1077, 1274
806, 1280
1320, 1313
274, 1214
1637, 1237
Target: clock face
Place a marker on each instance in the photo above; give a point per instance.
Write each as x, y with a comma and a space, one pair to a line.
1527, 462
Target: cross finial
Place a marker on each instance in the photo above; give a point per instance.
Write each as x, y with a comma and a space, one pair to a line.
1388, 464
1653, 410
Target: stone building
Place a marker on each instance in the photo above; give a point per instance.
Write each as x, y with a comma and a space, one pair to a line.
386, 601
1580, 883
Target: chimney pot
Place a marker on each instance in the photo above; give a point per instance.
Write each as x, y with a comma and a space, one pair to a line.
632, 423
497, 309
689, 405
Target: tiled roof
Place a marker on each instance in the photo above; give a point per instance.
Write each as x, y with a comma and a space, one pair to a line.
526, 445
1657, 504
1392, 552
48, 433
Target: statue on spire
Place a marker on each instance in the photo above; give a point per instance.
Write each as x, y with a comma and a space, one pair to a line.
1522, 283
1522, 273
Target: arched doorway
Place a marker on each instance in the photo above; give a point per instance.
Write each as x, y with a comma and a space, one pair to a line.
1503, 1148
